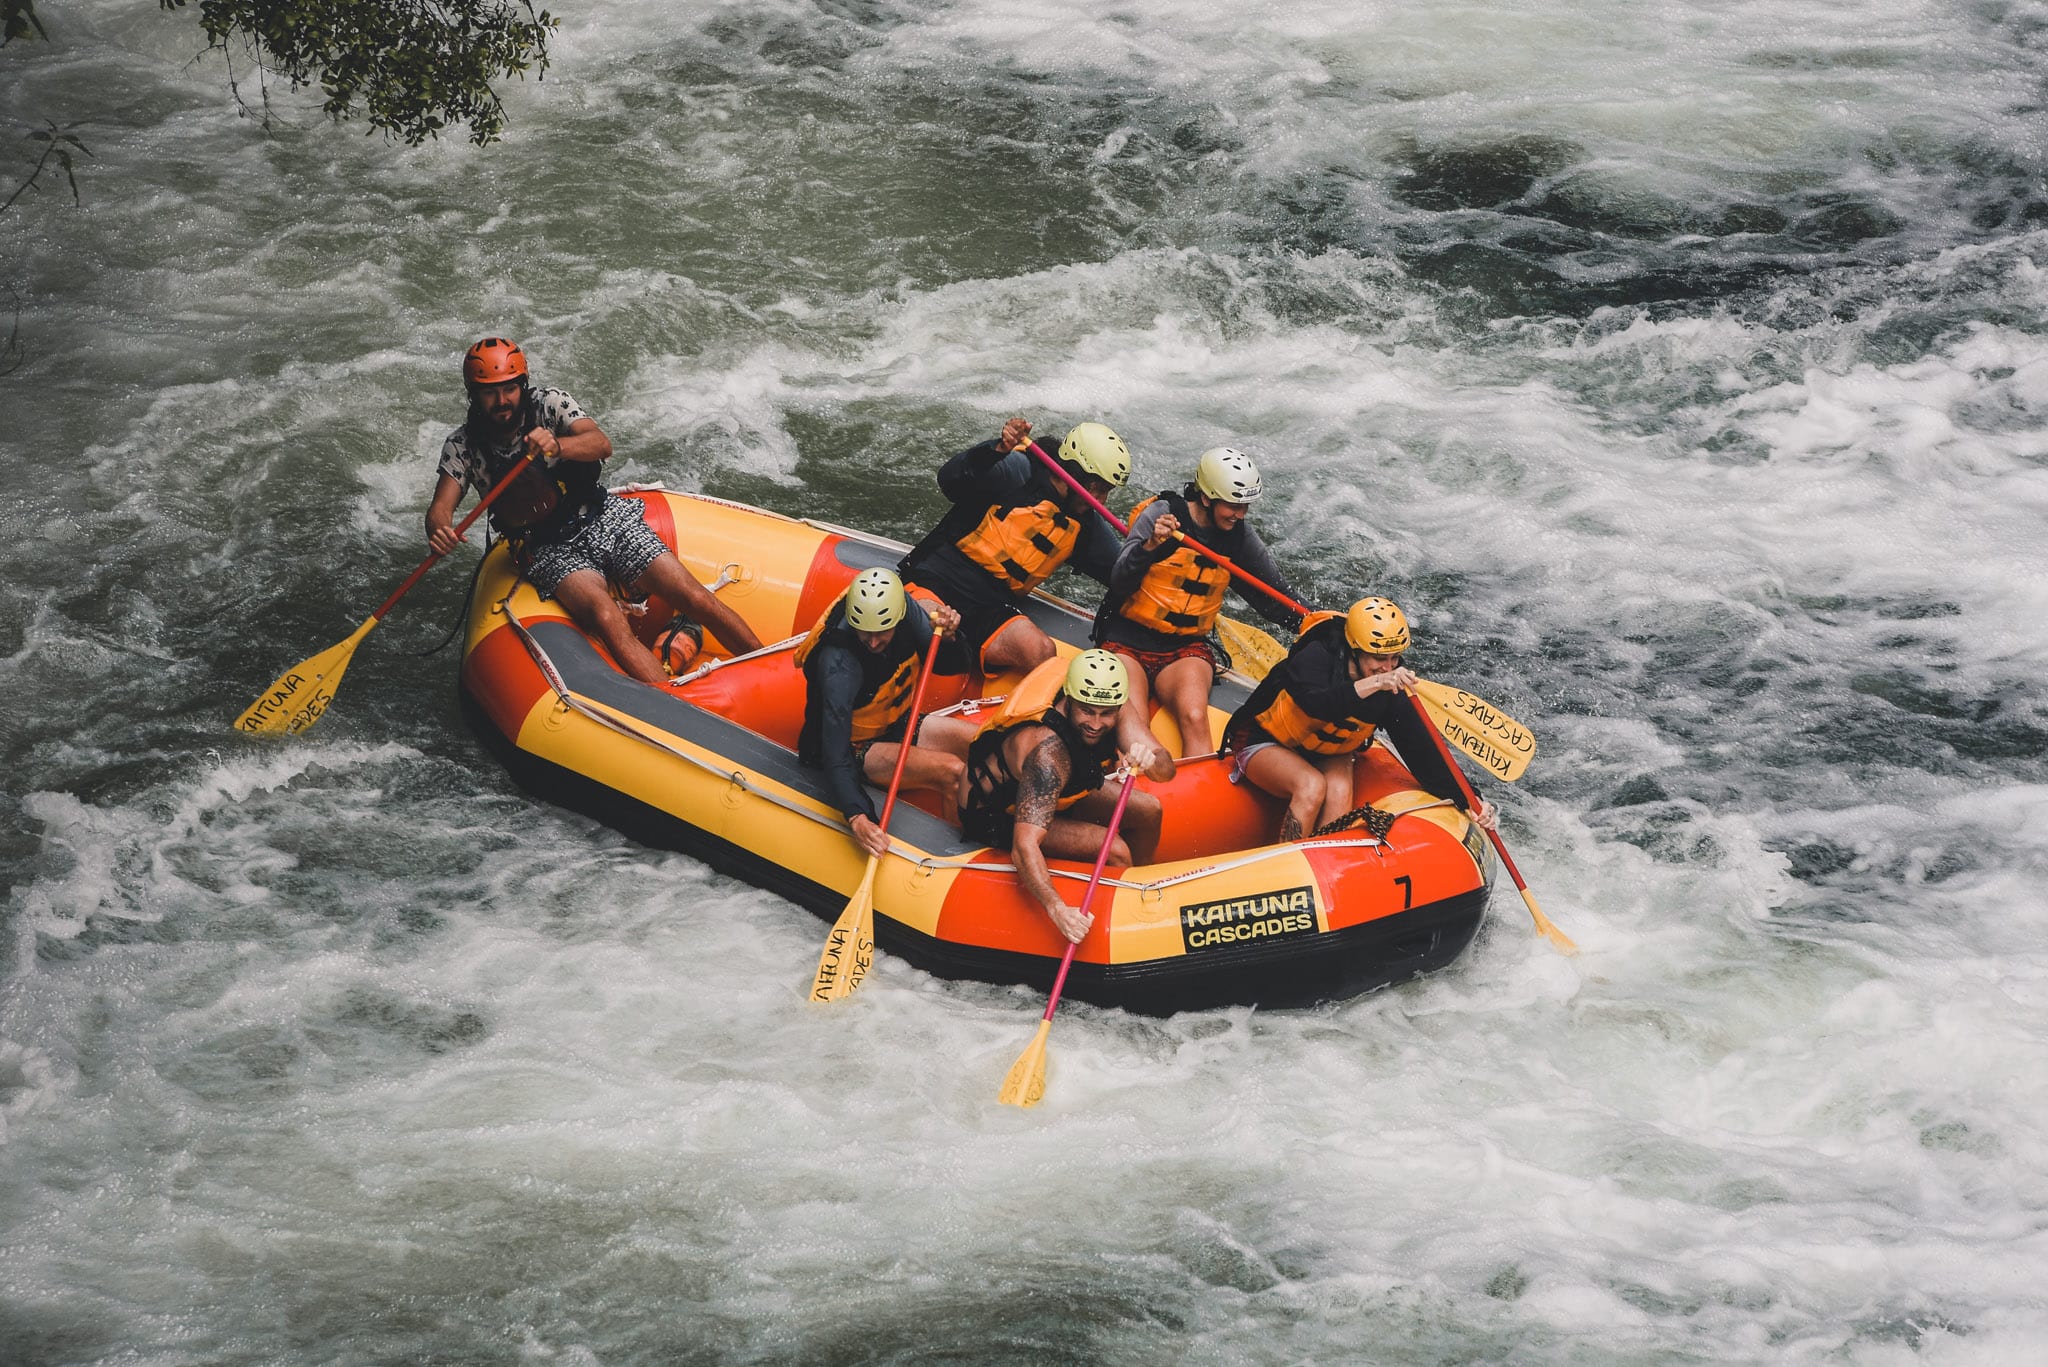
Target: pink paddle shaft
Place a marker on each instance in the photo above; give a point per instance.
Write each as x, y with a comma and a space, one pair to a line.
924, 675
1225, 561
1101, 861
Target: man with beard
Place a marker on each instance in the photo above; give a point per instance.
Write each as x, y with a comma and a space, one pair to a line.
1035, 771
571, 537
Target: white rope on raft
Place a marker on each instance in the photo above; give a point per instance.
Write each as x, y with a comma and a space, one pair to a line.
928, 863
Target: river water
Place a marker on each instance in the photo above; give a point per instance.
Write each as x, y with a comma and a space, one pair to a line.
1683, 370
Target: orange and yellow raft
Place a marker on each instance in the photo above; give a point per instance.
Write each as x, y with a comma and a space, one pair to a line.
1226, 915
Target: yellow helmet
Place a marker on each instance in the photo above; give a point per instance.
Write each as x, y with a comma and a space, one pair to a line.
1098, 451
1228, 475
1099, 679
1376, 626
875, 602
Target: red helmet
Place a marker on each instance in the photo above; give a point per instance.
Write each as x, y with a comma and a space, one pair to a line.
494, 360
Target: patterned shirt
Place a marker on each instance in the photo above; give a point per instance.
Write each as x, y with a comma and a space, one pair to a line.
557, 412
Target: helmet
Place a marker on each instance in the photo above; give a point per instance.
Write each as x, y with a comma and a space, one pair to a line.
1227, 474
1099, 452
1376, 626
1099, 679
875, 602
493, 361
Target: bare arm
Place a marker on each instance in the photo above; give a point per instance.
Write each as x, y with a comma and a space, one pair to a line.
584, 441
1142, 751
1043, 774
441, 537
702, 605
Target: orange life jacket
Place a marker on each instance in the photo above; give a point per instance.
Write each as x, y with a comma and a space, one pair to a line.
1182, 593
1022, 544
1285, 722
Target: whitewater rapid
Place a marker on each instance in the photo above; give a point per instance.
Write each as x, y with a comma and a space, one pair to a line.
1682, 370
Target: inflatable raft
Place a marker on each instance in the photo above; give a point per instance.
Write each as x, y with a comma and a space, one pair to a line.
1226, 916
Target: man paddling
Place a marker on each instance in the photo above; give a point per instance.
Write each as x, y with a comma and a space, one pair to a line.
860, 666
1164, 595
1298, 733
570, 536
1034, 778
1011, 527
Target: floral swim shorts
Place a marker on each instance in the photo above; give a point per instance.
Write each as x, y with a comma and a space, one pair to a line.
616, 543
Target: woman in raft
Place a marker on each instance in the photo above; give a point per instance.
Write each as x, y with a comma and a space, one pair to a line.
1298, 733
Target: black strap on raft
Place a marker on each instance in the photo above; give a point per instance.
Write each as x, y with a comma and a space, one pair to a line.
1378, 821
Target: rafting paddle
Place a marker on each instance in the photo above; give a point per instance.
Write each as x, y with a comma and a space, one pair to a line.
850, 947
1235, 634
1478, 728
1024, 1084
1544, 927
301, 694
1253, 652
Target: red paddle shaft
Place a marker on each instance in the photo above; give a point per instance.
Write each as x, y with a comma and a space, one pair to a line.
1225, 561
460, 528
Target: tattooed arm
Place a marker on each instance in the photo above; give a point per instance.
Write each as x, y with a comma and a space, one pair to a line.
1039, 780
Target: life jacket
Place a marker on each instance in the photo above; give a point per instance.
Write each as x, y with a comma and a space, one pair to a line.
1022, 544
544, 503
1285, 721
1182, 593
877, 708
990, 784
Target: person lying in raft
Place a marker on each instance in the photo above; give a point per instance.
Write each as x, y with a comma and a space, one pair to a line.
1035, 771
1297, 734
571, 537
1011, 526
860, 664
1164, 596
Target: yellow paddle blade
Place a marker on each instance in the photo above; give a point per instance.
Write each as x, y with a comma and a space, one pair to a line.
301, 694
1024, 1085
1252, 651
1562, 941
1479, 728
850, 947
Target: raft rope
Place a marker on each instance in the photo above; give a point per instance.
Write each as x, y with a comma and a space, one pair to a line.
701, 670
740, 779
1378, 820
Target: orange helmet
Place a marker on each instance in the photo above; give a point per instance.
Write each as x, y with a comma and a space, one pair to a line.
494, 360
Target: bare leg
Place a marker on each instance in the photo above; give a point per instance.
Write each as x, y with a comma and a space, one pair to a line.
1289, 775
588, 600
1019, 647
1067, 838
1144, 815
1184, 691
667, 577
1135, 721
1337, 791
927, 770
